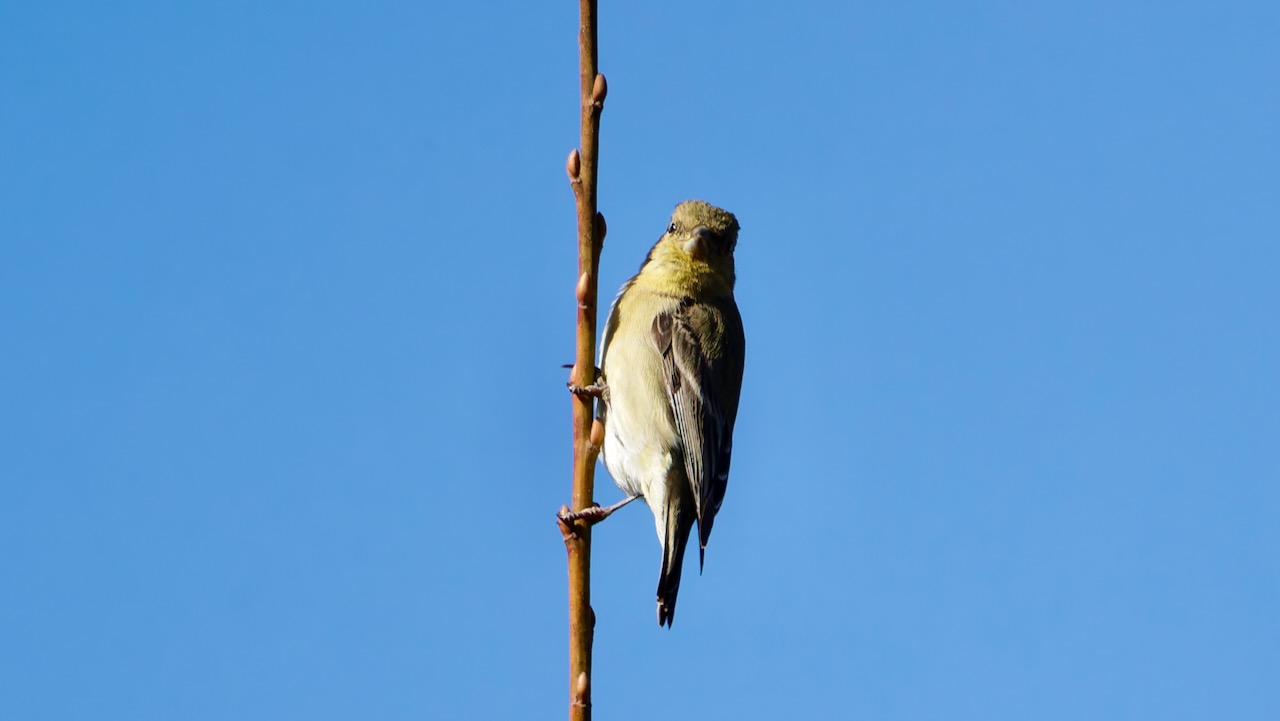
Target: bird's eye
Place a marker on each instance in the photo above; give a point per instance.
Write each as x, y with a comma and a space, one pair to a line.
671, 228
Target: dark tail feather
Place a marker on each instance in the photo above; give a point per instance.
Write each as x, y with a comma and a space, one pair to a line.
679, 526
704, 533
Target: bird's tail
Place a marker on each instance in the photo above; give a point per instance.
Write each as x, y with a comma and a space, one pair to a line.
680, 518
704, 533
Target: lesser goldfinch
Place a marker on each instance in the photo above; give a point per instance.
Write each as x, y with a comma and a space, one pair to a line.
671, 370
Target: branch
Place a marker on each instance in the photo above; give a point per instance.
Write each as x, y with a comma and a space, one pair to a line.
587, 434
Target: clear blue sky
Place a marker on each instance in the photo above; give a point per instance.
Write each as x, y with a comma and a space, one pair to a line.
285, 290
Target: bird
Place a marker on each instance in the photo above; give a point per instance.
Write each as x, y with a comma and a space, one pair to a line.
670, 376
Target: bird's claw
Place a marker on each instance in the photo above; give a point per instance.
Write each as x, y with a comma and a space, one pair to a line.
591, 516
591, 391
597, 389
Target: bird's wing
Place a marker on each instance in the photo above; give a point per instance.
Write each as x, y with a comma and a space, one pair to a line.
703, 377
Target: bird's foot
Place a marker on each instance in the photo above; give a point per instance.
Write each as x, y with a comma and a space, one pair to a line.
591, 516
597, 389
595, 514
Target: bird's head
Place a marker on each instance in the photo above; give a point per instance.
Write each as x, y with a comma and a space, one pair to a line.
698, 245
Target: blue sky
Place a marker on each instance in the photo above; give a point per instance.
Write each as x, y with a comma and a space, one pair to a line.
285, 291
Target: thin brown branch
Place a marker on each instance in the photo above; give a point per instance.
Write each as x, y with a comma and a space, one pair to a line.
581, 167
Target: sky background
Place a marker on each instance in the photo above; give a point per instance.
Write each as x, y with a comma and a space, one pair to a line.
285, 290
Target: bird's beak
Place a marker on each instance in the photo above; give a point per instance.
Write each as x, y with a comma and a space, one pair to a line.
696, 246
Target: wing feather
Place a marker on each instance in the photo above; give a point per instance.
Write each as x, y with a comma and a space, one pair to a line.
702, 377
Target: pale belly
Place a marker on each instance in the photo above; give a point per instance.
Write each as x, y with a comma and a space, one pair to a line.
639, 439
